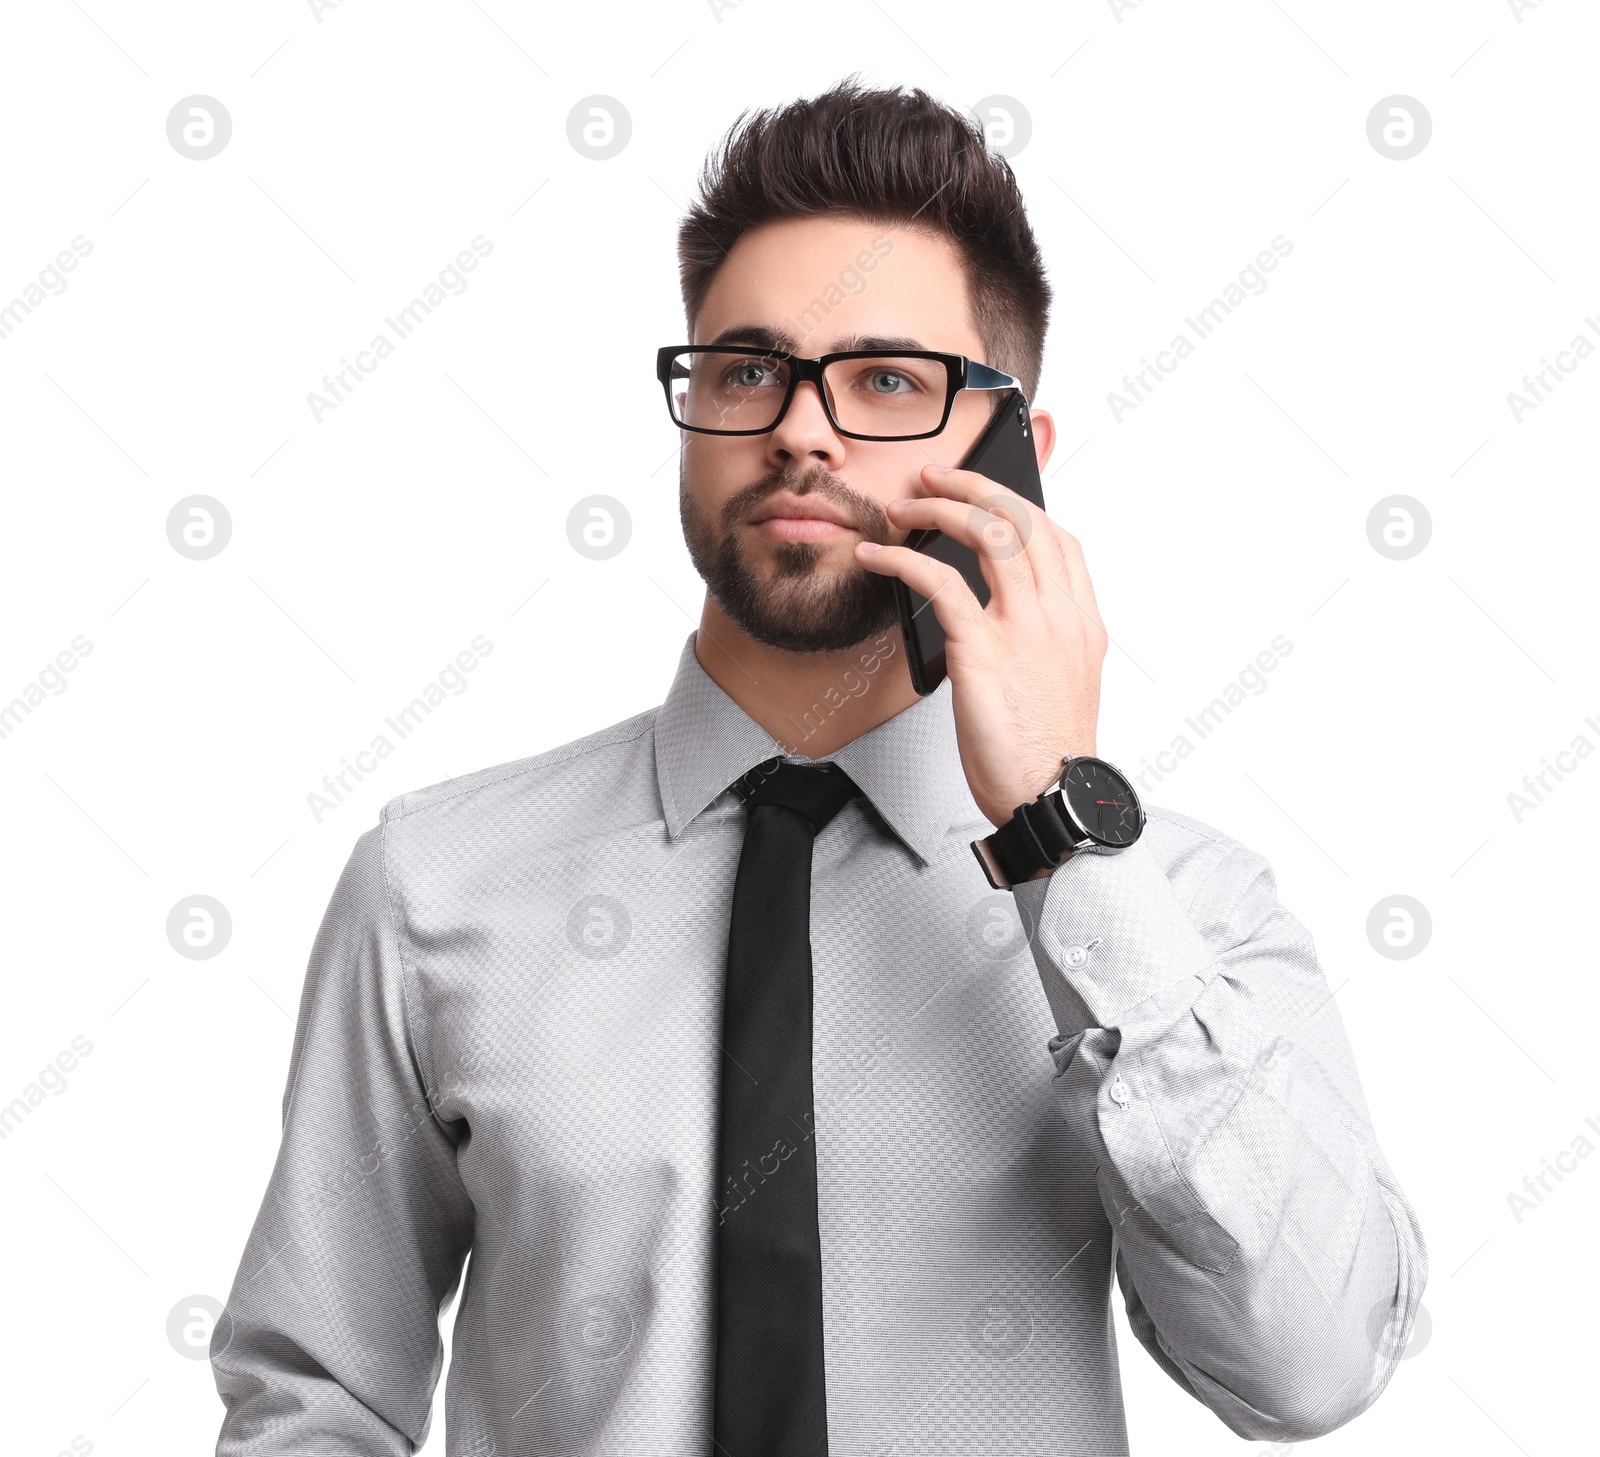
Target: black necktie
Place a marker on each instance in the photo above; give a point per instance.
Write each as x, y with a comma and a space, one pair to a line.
770, 1396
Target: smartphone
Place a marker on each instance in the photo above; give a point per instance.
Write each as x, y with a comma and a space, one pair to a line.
1004, 453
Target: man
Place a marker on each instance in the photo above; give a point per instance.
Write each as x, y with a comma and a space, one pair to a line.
708, 1036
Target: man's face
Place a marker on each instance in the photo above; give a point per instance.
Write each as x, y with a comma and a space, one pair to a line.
816, 286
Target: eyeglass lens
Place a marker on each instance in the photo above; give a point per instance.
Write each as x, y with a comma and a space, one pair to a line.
886, 395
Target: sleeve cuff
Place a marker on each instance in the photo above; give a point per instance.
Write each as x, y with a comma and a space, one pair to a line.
1111, 928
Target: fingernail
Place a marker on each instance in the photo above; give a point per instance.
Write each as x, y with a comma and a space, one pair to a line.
870, 545
941, 469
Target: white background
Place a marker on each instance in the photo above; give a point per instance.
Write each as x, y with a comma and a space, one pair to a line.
1169, 145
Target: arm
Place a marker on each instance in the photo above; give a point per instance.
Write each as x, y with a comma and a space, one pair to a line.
330, 1341
1199, 1058
1270, 1262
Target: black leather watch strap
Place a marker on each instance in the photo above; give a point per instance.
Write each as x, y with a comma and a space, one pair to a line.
1035, 838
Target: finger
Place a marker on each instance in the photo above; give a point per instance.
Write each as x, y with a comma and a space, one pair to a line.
1072, 581
962, 485
978, 490
950, 599
994, 538
1034, 528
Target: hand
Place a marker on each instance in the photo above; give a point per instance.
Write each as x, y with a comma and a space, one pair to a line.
1025, 670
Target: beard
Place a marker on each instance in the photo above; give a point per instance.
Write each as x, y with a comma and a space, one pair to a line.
798, 603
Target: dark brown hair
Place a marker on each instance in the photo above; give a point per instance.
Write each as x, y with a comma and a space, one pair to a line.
891, 156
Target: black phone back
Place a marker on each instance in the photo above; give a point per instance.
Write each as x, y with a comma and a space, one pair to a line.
1004, 453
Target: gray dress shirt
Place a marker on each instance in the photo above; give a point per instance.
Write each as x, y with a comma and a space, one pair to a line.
507, 1046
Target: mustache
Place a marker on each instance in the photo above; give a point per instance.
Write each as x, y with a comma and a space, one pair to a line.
863, 512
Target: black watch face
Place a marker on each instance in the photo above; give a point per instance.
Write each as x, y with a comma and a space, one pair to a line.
1102, 801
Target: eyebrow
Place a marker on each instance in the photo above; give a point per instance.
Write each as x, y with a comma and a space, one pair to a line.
761, 336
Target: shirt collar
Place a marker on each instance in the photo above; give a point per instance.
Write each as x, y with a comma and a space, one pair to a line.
908, 767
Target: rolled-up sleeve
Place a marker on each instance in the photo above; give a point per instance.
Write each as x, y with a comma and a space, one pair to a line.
330, 1339
1268, 1258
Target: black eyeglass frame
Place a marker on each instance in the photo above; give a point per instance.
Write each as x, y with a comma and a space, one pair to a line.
961, 373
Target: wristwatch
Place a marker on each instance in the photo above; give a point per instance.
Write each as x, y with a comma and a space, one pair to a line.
1092, 808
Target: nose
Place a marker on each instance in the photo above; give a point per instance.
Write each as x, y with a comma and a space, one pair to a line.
804, 437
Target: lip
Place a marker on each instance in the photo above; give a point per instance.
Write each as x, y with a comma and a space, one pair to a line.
800, 518
800, 508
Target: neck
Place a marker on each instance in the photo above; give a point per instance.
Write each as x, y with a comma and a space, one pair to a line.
811, 703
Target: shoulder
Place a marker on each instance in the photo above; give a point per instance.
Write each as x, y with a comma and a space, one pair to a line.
541, 799
498, 779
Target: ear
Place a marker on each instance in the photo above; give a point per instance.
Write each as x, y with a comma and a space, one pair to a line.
1044, 435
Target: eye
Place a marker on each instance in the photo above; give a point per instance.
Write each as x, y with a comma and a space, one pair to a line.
888, 382
749, 373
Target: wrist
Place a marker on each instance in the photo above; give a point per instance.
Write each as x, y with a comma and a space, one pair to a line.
1038, 785
1093, 807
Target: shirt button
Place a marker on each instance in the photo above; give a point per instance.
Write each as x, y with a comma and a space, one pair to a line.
1076, 956
1120, 1094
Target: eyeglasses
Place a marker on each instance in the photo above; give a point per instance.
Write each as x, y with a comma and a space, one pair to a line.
867, 394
